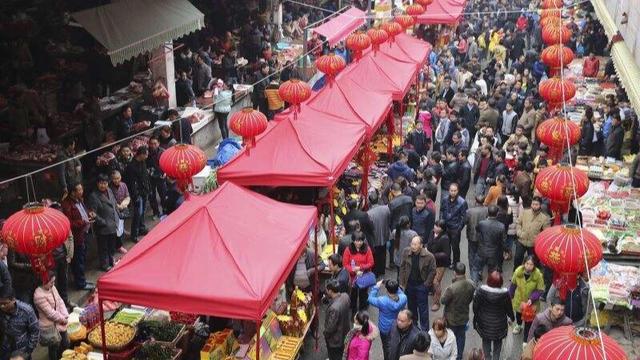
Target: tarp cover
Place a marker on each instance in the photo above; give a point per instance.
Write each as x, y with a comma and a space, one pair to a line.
223, 254
132, 27
349, 101
338, 28
406, 47
313, 150
379, 72
442, 12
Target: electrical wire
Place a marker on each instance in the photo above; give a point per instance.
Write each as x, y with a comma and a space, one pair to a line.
575, 197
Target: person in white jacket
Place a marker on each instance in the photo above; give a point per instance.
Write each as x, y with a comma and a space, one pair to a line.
443, 342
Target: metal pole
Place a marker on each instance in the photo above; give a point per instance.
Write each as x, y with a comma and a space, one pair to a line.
305, 38
369, 13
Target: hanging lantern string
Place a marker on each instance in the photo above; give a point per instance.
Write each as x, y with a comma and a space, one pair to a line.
374, 17
575, 199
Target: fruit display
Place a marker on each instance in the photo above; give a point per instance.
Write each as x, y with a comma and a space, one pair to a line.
117, 335
163, 331
156, 351
78, 353
287, 349
128, 316
219, 345
183, 318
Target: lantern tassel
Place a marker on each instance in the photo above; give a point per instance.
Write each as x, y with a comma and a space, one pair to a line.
41, 264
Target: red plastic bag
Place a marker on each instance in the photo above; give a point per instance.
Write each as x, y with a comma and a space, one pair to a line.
528, 312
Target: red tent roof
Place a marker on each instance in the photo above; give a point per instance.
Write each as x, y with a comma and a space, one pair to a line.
406, 47
442, 12
313, 150
336, 29
223, 254
382, 73
347, 100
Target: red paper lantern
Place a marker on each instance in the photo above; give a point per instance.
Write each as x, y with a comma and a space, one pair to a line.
563, 248
330, 65
569, 342
553, 35
556, 91
557, 183
182, 162
35, 231
415, 10
358, 42
553, 133
550, 21
556, 57
378, 36
552, 4
248, 123
392, 28
557, 13
294, 92
406, 21
424, 3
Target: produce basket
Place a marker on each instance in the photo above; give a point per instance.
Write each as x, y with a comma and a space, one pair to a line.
176, 353
129, 333
126, 354
152, 328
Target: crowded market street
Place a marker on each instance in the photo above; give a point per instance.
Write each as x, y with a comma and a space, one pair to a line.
340, 180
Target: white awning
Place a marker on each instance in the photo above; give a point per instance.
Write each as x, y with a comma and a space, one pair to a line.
623, 58
132, 27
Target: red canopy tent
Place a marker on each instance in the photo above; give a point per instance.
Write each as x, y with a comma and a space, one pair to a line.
336, 29
442, 12
313, 150
349, 101
406, 47
206, 246
382, 73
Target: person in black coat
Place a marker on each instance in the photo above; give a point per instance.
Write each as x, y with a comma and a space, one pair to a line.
615, 138
450, 169
464, 172
491, 235
103, 203
498, 167
447, 92
402, 336
491, 309
587, 145
362, 217
136, 177
469, 115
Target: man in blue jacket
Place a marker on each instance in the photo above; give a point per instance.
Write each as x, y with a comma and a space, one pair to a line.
452, 210
400, 168
389, 306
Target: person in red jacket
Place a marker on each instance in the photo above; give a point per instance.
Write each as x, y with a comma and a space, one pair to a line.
358, 259
591, 66
522, 23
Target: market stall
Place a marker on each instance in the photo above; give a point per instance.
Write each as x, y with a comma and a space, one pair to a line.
442, 12
168, 268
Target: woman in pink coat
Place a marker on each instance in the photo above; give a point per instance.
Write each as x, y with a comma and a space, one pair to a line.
359, 339
52, 314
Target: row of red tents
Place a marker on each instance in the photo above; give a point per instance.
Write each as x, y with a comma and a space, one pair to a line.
226, 253
315, 148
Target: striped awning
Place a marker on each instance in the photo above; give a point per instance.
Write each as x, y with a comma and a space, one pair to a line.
132, 27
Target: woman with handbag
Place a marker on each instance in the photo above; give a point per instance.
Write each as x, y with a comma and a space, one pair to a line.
358, 260
439, 245
53, 317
